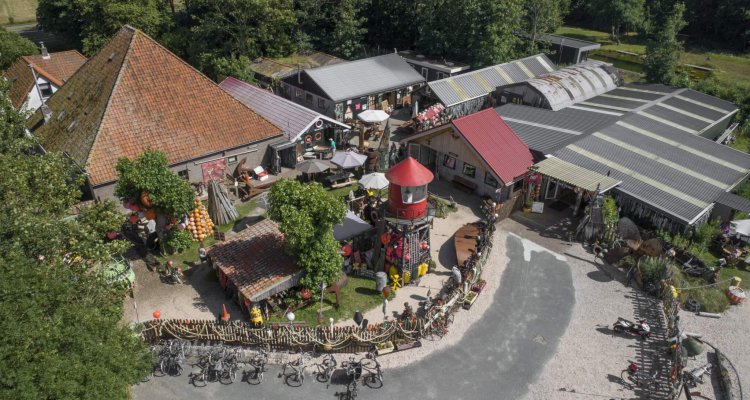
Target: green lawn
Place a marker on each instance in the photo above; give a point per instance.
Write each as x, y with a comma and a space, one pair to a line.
358, 294
728, 67
189, 257
17, 11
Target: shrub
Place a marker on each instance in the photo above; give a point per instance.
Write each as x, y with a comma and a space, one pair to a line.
653, 269
179, 240
711, 299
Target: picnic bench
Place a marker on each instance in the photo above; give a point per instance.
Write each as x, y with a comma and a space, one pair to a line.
340, 180
464, 184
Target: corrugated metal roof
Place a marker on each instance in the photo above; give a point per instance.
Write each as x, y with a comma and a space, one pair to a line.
289, 116
575, 83
458, 89
281, 68
547, 131
569, 42
575, 175
364, 77
735, 202
496, 144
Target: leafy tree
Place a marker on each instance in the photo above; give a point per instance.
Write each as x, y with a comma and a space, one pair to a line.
234, 28
168, 193
90, 23
543, 16
616, 14
663, 49
12, 46
62, 334
481, 32
306, 215
238, 67
393, 24
335, 27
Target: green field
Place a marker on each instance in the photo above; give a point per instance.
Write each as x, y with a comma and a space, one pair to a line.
728, 67
17, 11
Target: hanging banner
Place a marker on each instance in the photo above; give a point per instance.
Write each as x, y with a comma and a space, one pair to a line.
215, 170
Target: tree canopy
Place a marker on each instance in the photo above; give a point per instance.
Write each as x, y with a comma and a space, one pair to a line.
543, 16
663, 49
12, 46
306, 214
614, 15
61, 322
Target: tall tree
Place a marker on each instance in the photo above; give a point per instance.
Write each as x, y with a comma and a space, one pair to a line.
61, 322
663, 49
90, 23
337, 27
615, 15
543, 16
306, 215
482, 32
393, 24
12, 46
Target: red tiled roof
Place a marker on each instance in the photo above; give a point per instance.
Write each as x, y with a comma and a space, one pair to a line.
135, 95
496, 144
58, 68
254, 260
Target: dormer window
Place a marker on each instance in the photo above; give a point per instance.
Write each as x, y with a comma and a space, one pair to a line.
46, 89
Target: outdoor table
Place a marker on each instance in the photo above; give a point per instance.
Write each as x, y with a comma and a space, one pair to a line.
339, 179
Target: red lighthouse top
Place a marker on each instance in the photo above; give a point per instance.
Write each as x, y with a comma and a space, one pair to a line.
409, 173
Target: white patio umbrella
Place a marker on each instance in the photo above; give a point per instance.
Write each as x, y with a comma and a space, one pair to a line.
740, 227
373, 116
375, 180
348, 159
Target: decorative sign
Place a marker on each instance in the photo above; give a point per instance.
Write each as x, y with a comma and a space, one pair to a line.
537, 207
215, 170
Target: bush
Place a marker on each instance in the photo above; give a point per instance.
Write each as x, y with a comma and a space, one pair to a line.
653, 269
179, 240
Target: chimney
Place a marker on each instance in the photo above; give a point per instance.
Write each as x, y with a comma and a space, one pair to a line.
299, 73
45, 53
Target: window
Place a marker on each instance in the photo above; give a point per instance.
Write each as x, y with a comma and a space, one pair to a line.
321, 103
46, 89
469, 170
440, 75
449, 161
517, 185
413, 194
183, 174
424, 72
231, 160
297, 92
308, 98
488, 179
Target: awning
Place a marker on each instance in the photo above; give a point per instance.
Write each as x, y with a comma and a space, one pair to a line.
734, 202
287, 282
575, 175
351, 226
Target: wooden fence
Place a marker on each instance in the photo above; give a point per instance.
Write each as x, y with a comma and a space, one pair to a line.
350, 339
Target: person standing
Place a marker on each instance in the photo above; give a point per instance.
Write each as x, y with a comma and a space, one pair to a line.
202, 254
333, 146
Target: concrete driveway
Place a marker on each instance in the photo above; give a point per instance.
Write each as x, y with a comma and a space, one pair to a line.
497, 358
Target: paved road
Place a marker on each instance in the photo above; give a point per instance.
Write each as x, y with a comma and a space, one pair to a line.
498, 357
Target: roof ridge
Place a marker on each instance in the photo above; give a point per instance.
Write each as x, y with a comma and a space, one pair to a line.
115, 86
299, 106
46, 74
485, 68
201, 74
323, 67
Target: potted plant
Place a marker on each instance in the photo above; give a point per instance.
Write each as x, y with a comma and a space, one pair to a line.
527, 204
385, 347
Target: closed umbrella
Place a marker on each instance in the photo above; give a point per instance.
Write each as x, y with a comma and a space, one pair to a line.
313, 166
375, 180
348, 159
373, 116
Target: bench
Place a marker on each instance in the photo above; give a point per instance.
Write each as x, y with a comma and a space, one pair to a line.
464, 183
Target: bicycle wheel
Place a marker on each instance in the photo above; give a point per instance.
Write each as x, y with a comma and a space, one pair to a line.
626, 379
293, 380
199, 377
373, 380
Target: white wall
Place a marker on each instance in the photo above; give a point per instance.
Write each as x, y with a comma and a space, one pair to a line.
33, 101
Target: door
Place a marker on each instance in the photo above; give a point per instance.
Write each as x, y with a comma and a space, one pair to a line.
551, 192
414, 150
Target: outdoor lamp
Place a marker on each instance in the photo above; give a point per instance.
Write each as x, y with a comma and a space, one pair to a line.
358, 318
330, 320
290, 316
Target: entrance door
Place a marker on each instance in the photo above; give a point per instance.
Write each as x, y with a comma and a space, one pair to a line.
551, 192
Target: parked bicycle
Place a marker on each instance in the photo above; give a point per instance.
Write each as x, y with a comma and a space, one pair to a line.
297, 377
374, 374
326, 368
258, 362
632, 378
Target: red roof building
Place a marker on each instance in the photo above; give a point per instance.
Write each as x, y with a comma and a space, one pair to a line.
478, 152
255, 263
52, 71
135, 95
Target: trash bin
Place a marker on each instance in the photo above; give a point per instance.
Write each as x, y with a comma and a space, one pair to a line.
381, 280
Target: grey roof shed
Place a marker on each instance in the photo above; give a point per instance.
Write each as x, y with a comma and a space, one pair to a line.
364, 77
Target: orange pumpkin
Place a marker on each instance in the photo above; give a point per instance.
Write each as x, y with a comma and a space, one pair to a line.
145, 200
150, 214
